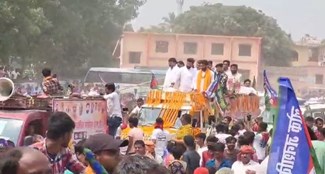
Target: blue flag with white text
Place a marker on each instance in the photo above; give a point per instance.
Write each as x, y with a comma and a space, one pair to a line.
291, 149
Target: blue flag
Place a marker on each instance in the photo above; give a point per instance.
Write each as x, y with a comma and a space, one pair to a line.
271, 101
291, 149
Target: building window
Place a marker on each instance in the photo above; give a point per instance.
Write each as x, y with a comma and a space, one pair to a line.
319, 78
161, 47
313, 54
245, 74
190, 47
134, 57
217, 49
245, 50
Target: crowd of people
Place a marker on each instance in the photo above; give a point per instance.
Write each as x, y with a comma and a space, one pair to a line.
227, 146
9, 72
234, 147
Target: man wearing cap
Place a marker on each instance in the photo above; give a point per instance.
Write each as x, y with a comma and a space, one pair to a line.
106, 150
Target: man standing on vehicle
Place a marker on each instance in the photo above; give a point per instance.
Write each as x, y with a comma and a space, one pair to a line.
171, 78
234, 80
203, 78
187, 75
50, 84
114, 111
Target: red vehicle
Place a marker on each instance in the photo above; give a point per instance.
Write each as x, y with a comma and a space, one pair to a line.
21, 118
15, 125
89, 116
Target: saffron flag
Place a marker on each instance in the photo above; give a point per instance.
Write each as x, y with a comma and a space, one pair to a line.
291, 149
154, 82
271, 101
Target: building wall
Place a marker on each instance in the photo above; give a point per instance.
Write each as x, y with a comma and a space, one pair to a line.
146, 44
304, 79
303, 54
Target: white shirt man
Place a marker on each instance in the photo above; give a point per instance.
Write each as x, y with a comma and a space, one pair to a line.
186, 78
200, 151
222, 137
234, 81
240, 168
113, 104
172, 78
160, 137
228, 72
135, 111
247, 90
260, 149
234, 77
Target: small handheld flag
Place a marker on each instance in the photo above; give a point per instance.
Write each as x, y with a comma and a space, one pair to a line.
271, 100
291, 149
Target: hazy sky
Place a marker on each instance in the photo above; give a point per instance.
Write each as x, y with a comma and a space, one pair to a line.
297, 17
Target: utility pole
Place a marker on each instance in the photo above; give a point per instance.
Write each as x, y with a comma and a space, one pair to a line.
180, 4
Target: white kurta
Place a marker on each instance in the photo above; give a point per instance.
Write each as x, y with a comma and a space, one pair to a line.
186, 79
239, 168
194, 85
247, 90
234, 81
228, 72
172, 76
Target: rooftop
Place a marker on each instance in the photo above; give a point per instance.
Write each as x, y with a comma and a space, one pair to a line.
309, 41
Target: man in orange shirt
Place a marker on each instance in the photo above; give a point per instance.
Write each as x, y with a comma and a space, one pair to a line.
106, 150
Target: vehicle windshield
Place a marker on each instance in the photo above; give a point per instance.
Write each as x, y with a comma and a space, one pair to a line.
319, 114
121, 77
10, 128
148, 117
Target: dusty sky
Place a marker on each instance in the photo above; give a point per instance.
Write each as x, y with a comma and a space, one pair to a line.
297, 17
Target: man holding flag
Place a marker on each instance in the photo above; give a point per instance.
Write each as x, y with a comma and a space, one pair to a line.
291, 149
271, 101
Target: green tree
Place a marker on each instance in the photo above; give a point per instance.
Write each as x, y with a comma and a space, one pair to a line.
167, 26
217, 19
21, 22
63, 33
169, 22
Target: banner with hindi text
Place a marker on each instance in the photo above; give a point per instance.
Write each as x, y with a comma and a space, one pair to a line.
291, 149
90, 116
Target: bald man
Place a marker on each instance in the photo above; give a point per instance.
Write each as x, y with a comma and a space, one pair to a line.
24, 160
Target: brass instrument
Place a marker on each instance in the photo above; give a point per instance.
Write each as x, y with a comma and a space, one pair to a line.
7, 88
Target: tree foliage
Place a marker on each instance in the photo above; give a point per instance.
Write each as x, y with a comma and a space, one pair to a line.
217, 19
63, 33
